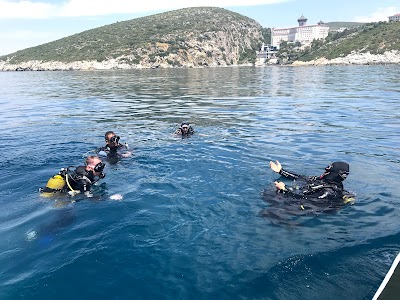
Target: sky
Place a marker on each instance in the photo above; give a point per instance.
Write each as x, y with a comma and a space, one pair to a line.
28, 23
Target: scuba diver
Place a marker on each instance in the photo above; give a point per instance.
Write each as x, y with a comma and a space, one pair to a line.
77, 181
185, 129
324, 191
113, 149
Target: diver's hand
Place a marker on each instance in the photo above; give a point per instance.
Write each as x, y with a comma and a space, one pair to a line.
126, 154
280, 185
88, 194
276, 167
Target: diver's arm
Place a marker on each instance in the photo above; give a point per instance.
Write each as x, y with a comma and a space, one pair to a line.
123, 150
102, 151
289, 175
277, 168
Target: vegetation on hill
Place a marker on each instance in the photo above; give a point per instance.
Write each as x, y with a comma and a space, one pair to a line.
173, 37
335, 26
375, 38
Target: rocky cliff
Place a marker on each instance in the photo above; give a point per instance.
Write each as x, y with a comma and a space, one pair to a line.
191, 37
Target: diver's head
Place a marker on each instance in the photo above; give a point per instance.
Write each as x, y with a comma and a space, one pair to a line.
185, 127
95, 166
336, 172
112, 140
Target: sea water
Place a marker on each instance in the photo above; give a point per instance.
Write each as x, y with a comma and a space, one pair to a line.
195, 220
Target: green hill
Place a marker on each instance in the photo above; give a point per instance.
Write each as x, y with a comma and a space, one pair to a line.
186, 37
375, 38
335, 26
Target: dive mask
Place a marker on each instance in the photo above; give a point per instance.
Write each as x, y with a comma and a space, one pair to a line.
99, 167
114, 139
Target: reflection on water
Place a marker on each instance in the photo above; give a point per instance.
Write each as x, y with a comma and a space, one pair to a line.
193, 222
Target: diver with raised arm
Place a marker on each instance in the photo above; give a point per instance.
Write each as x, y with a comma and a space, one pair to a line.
324, 189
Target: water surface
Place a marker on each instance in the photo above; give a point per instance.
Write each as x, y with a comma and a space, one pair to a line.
189, 225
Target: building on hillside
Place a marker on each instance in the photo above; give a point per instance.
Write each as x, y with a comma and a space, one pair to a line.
266, 55
394, 18
304, 34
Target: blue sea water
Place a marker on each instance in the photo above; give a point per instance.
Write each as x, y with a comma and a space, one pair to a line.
199, 217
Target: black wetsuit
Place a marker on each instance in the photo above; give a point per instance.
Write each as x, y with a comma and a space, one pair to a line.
313, 187
78, 180
309, 195
113, 152
81, 180
324, 191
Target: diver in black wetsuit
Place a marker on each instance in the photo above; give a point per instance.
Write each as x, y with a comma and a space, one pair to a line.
185, 129
113, 149
325, 190
74, 182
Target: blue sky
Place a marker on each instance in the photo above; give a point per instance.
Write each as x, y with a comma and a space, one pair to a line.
30, 23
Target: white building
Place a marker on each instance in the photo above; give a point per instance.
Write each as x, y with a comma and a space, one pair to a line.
267, 54
304, 34
394, 18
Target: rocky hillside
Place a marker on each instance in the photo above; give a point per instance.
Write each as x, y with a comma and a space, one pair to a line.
190, 37
372, 43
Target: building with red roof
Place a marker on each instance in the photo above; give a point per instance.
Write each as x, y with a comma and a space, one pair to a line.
394, 18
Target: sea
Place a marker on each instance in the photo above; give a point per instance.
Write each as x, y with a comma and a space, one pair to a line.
199, 217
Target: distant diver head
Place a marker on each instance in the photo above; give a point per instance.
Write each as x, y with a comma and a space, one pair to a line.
336, 172
185, 127
112, 139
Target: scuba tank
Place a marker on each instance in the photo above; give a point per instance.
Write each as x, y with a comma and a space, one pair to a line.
59, 183
56, 184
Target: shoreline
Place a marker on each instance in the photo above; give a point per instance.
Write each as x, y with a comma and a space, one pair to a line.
388, 57
355, 58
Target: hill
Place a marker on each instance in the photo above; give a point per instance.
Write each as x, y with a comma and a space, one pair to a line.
335, 26
371, 43
190, 37
375, 38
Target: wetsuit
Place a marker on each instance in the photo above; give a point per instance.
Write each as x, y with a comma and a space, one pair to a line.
326, 189
112, 152
189, 132
79, 180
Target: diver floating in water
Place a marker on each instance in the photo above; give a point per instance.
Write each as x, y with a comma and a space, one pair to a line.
113, 149
184, 129
308, 195
77, 181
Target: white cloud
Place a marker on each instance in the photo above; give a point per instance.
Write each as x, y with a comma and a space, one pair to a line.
381, 14
76, 8
25, 10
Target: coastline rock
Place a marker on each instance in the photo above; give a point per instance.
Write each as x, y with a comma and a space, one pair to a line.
356, 58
